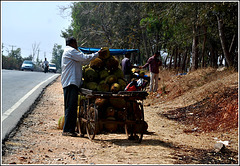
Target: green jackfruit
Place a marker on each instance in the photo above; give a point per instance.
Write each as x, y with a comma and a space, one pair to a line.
92, 85
111, 79
122, 83
90, 75
97, 64
103, 74
118, 73
112, 63
103, 87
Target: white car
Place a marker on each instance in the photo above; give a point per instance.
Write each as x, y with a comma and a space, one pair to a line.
27, 65
52, 67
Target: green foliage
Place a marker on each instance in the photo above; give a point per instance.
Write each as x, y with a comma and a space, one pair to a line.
151, 26
57, 55
13, 60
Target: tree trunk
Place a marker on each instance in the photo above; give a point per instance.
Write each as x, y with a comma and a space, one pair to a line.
213, 59
184, 61
170, 63
179, 60
203, 47
175, 58
223, 42
194, 49
165, 61
145, 43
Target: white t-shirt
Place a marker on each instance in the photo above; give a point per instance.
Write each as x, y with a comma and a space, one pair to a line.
45, 63
72, 62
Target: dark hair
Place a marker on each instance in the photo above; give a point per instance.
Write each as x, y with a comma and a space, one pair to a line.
70, 41
128, 54
157, 53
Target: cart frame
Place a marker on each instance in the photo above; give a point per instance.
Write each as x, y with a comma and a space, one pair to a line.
88, 118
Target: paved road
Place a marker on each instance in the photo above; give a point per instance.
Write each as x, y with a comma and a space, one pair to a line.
19, 91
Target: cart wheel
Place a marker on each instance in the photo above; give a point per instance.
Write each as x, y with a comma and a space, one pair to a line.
81, 126
92, 119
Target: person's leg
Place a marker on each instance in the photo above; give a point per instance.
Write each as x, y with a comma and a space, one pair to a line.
70, 104
151, 81
155, 83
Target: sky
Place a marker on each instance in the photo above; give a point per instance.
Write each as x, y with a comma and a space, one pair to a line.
26, 23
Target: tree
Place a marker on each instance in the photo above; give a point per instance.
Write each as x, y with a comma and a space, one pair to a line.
57, 55
35, 49
194, 32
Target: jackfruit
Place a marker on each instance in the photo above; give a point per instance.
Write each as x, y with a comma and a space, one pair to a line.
90, 75
121, 115
92, 85
111, 127
118, 103
115, 87
112, 63
106, 55
111, 79
103, 87
122, 83
97, 64
118, 73
103, 74
101, 102
110, 112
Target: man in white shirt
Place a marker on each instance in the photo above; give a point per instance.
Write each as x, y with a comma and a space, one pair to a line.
45, 65
71, 79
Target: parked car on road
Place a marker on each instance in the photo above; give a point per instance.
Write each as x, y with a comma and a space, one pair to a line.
52, 67
27, 65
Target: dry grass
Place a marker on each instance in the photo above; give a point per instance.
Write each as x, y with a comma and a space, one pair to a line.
214, 96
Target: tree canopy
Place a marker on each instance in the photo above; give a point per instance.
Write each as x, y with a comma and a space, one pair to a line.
203, 33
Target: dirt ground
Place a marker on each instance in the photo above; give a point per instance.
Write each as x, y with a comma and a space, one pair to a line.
186, 118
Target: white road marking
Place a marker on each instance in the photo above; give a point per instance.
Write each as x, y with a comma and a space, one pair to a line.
17, 104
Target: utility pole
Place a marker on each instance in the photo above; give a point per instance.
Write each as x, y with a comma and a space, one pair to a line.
38, 54
2, 49
12, 48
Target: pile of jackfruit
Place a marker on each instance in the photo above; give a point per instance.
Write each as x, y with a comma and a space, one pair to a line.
104, 74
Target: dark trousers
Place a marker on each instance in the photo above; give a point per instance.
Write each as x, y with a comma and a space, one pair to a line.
70, 106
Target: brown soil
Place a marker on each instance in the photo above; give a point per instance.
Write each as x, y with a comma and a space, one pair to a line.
186, 118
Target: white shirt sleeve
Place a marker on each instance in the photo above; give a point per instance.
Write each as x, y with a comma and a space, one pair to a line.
81, 57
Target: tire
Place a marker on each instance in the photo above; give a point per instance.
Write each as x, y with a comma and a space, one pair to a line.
81, 125
92, 120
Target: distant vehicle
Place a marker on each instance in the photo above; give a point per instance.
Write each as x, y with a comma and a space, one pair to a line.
52, 67
27, 65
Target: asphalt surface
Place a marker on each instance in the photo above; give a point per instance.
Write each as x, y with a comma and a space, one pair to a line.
20, 89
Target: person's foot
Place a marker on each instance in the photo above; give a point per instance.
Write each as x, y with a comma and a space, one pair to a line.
131, 137
69, 134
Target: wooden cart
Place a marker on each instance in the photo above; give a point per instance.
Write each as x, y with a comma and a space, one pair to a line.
89, 122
